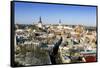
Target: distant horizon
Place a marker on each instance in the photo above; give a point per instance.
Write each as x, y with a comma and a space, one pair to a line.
29, 13
53, 24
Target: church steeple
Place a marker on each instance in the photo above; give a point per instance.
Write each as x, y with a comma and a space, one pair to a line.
59, 26
59, 21
40, 21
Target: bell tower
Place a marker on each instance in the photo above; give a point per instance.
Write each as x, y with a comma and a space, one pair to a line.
40, 23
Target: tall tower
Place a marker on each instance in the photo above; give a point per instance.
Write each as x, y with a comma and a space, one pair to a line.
59, 22
59, 26
40, 23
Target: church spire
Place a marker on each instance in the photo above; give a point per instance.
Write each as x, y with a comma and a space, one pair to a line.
40, 21
60, 26
59, 21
